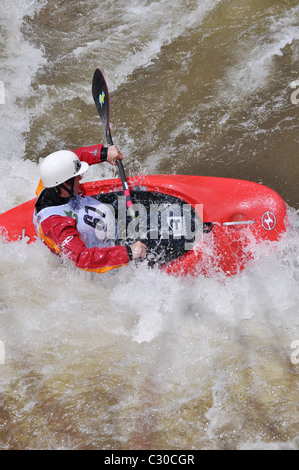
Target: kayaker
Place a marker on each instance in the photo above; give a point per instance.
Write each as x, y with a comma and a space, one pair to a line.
72, 224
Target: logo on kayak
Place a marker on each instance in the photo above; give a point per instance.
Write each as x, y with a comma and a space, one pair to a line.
268, 220
175, 223
102, 98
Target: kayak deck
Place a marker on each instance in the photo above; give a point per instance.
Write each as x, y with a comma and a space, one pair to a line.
225, 213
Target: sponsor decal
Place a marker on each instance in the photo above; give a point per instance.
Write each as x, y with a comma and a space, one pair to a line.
78, 165
71, 214
175, 224
102, 98
268, 220
67, 240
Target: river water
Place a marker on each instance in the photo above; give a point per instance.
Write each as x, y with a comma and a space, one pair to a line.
136, 359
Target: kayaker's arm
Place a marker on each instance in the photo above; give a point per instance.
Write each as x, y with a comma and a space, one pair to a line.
61, 236
98, 154
93, 155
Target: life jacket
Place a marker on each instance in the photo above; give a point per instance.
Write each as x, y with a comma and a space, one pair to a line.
95, 221
39, 188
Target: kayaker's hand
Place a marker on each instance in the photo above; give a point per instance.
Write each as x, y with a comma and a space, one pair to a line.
113, 154
138, 250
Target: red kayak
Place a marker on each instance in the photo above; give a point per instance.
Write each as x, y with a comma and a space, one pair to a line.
228, 218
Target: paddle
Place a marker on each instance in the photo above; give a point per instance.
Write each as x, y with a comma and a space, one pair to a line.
101, 98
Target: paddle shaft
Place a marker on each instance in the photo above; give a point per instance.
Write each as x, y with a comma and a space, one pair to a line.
123, 178
102, 101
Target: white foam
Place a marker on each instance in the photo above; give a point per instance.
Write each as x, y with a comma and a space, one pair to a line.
256, 56
20, 62
142, 30
196, 337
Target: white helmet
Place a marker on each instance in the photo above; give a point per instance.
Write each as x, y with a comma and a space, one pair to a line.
60, 166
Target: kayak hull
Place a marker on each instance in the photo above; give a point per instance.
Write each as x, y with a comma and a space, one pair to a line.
240, 213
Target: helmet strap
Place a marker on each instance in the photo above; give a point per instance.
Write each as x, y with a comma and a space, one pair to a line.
70, 190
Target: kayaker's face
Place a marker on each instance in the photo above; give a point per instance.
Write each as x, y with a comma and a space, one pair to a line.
75, 189
76, 185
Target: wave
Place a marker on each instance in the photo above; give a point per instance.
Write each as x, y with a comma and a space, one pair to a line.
256, 54
20, 62
143, 29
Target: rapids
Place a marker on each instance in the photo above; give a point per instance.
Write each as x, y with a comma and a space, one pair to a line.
135, 359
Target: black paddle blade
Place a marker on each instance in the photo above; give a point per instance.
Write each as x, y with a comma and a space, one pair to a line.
101, 98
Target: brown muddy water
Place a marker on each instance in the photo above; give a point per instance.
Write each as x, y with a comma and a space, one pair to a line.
135, 359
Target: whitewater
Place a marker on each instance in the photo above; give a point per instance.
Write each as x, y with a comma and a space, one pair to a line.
137, 359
